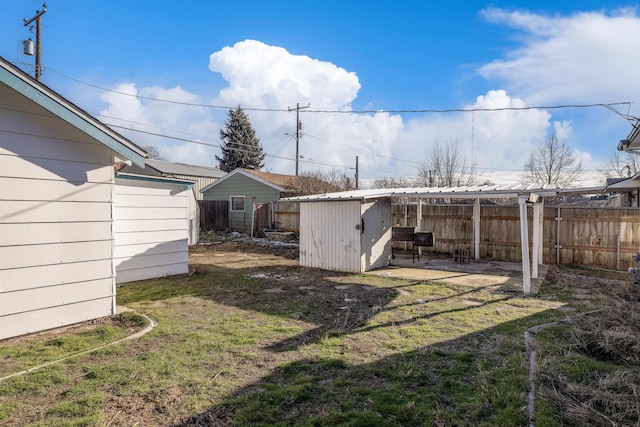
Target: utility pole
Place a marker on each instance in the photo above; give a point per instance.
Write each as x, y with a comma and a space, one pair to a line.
356, 172
36, 18
298, 128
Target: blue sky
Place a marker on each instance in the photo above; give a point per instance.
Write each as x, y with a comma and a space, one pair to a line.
346, 56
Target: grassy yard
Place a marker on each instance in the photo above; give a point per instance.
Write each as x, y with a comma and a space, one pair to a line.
252, 339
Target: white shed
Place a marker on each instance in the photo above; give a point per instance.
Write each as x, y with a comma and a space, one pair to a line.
350, 231
152, 224
346, 235
56, 187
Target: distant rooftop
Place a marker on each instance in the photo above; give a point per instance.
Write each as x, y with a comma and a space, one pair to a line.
183, 169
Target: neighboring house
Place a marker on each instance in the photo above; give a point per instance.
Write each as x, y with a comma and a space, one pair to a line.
202, 176
152, 226
632, 143
251, 193
626, 190
56, 187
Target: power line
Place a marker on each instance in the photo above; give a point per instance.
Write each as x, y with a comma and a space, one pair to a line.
218, 146
608, 105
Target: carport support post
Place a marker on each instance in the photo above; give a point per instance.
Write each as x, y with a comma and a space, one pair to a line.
524, 239
537, 233
419, 222
476, 229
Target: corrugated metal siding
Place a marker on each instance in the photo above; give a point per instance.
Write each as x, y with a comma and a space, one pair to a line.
240, 185
200, 181
55, 221
376, 238
328, 235
151, 228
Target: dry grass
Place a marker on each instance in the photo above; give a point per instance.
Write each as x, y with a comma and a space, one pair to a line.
591, 365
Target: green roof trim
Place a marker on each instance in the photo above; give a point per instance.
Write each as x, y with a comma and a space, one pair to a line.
185, 183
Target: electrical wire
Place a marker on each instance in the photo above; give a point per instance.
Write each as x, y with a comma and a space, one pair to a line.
610, 105
218, 146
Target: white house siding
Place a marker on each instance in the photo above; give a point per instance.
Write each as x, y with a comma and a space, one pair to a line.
151, 229
329, 238
376, 238
55, 221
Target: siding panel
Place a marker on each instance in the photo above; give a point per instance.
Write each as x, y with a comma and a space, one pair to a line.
55, 253
39, 190
61, 232
52, 212
43, 298
54, 317
50, 275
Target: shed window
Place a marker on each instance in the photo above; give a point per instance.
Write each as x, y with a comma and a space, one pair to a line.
237, 203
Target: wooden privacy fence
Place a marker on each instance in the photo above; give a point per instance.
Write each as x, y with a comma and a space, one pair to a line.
214, 215
603, 237
286, 216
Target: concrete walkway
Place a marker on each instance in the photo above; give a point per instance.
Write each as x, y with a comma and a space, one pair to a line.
475, 273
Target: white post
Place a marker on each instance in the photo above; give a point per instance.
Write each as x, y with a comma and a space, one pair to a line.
476, 229
541, 249
535, 253
419, 222
524, 239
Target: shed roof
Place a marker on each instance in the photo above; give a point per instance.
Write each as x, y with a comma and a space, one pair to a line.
55, 103
468, 192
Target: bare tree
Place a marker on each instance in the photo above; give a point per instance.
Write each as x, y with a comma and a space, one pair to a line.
391, 182
317, 182
153, 152
445, 166
620, 164
552, 163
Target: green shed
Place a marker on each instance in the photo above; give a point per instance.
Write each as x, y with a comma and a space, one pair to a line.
250, 194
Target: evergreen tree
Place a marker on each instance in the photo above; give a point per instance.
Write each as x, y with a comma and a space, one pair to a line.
240, 146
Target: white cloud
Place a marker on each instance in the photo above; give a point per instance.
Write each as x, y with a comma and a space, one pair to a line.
263, 76
493, 140
584, 58
176, 119
260, 76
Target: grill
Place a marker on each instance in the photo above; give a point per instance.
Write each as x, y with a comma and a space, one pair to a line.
421, 238
401, 234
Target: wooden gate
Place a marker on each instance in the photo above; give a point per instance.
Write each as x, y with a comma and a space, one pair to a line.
260, 219
214, 215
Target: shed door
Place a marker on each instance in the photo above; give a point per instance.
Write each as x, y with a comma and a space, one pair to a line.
330, 235
376, 234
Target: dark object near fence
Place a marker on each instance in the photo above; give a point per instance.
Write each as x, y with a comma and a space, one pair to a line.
408, 234
421, 238
634, 272
401, 234
461, 256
